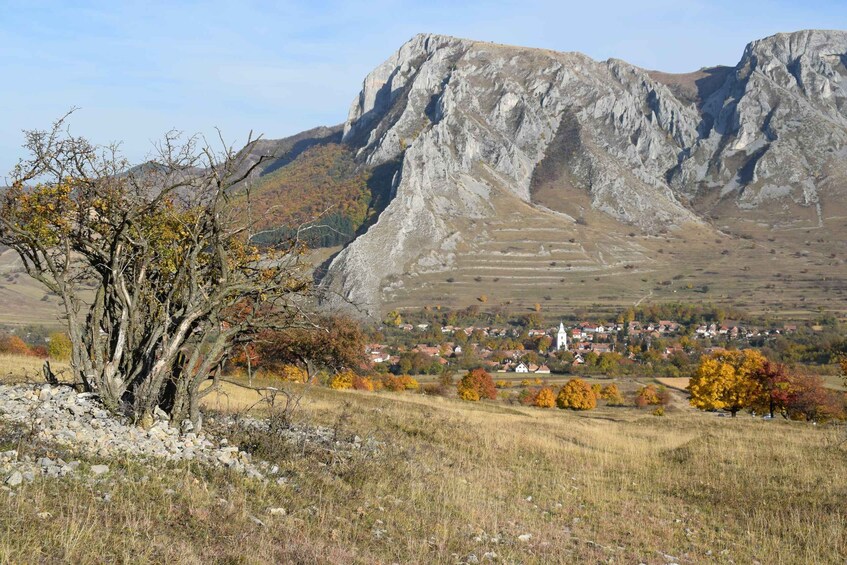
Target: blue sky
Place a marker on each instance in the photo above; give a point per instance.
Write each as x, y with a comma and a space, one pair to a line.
138, 69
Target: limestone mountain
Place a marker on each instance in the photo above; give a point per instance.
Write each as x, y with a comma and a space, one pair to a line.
522, 169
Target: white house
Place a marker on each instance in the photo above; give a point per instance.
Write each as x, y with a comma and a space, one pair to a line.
521, 368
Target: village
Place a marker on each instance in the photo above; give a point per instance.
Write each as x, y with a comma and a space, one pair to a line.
558, 349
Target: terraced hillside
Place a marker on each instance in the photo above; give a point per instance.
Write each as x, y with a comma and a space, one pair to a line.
526, 255
22, 300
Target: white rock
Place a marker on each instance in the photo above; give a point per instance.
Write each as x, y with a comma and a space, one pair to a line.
14, 479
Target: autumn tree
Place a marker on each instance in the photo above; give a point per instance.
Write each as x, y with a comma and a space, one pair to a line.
775, 388
725, 381
154, 271
327, 343
810, 400
576, 394
292, 374
476, 384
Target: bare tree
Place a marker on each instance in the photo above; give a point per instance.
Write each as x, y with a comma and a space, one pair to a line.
153, 265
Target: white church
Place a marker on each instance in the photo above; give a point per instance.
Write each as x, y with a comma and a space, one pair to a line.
562, 338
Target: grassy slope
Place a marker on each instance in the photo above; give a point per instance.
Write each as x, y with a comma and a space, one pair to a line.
610, 484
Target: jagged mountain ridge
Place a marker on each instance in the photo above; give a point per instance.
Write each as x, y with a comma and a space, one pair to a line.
473, 121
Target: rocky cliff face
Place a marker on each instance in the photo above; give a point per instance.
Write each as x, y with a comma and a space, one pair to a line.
772, 129
471, 123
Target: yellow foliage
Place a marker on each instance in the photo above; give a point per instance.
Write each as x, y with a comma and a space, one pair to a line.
611, 394
723, 381
409, 382
545, 398
502, 384
576, 395
469, 394
59, 347
293, 374
342, 380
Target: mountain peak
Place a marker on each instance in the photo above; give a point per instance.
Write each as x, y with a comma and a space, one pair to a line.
473, 132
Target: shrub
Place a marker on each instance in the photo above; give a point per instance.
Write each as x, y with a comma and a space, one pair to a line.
293, 374
612, 395
650, 395
59, 347
527, 396
393, 383
363, 383
526, 382
409, 383
545, 398
596, 389
14, 345
659, 411
478, 381
342, 380
576, 395
502, 384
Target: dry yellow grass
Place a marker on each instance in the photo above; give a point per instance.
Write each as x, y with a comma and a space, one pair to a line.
453, 479
23, 368
676, 383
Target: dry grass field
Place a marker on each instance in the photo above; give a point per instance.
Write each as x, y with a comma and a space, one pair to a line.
21, 368
456, 482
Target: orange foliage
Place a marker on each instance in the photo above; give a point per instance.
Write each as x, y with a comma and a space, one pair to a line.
14, 345
476, 384
545, 398
576, 395
393, 383
363, 383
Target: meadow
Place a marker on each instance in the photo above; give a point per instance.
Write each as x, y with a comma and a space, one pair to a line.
461, 482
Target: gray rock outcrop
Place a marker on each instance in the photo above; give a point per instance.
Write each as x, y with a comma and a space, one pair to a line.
468, 120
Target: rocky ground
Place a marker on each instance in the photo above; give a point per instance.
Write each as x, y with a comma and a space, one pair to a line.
76, 424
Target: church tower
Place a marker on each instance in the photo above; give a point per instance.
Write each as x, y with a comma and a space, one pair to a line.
561, 338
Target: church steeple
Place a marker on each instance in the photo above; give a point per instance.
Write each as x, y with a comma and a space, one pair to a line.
561, 338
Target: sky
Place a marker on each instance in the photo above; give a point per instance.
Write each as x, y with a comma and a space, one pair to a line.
136, 70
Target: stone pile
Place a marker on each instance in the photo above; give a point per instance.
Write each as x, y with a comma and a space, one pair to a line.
76, 422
